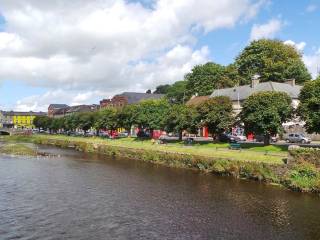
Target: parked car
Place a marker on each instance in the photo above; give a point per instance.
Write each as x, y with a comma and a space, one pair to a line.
260, 138
226, 137
297, 138
104, 135
239, 138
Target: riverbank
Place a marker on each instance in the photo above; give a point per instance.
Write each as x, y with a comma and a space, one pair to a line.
264, 164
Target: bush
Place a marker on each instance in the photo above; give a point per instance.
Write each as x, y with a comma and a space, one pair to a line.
311, 155
303, 177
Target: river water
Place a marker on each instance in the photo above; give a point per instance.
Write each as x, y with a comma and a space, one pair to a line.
82, 196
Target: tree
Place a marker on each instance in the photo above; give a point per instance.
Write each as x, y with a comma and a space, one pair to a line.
203, 79
216, 114
71, 122
162, 89
41, 122
151, 114
309, 107
56, 124
127, 116
181, 117
85, 121
273, 61
107, 119
264, 113
177, 92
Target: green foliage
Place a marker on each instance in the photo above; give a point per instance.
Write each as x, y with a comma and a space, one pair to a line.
303, 177
127, 116
264, 112
216, 114
177, 92
203, 79
309, 107
85, 121
106, 119
162, 89
273, 61
151, 113
42, 122
310, 155
179, 118
56, 124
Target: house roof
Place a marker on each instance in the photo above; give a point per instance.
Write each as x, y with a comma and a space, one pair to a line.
243, 92
82, 108
134, 97
57, 106
195, 101
14, 113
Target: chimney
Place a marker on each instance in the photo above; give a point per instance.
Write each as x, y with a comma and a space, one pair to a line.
255, 80
291, 82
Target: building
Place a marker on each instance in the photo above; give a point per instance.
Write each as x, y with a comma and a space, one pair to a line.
125, 98
55, 109
62, 110
23, 120
239, 94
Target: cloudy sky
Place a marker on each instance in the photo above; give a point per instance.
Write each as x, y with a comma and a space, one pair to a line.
80, 51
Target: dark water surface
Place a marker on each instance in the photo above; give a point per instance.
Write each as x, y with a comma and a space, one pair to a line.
82, 196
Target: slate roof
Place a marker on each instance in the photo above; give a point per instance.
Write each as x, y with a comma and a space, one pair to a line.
57, 106
134, 97
243, 92
14, 113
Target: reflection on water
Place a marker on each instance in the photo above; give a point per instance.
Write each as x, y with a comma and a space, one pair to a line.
83, 196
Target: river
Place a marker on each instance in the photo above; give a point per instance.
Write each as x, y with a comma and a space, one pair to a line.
83, 196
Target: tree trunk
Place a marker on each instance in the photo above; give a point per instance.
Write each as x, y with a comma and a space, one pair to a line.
180, 135
266, 139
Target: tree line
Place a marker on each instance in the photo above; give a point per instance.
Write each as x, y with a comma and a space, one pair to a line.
263, 113
272, 60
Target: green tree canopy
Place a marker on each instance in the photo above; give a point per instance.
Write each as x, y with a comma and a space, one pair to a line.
203, 79
177, 92
265, 112
107, 119
181, 117
162, 89
309, 107
273, 61
127, 116
42, 122
216, 114
151, 113
85, 120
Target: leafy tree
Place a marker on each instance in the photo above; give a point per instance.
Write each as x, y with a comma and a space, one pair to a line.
203, 79
148, 91
127, 116
85, 121
151, 114
273, 61
263, 113
177, 92
56, 124
181, 117
309, 107
162, 89
71, 122
216, 114
41, 122
107, 119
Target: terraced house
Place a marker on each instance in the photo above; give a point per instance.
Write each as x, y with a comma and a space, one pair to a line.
23, 120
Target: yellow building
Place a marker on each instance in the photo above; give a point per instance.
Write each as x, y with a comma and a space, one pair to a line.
23, 120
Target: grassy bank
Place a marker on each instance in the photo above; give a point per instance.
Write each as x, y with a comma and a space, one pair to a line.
17, 149
259, 163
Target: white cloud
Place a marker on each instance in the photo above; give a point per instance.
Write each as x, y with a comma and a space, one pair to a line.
311, 8
109, 45
299, 46
268, 30
312, 62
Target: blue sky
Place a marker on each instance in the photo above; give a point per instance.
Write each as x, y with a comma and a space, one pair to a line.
81, 51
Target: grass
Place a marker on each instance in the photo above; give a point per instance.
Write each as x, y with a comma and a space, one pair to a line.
17, 149
268, 154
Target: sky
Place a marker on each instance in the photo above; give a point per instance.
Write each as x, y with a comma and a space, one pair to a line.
81, 51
